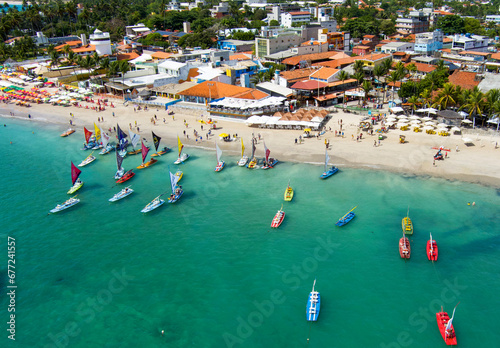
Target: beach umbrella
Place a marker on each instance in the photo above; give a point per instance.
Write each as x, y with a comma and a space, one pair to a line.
415, 122
429, 123
391, 119
401, 117
307, 129
442, 125
414, 117
427, 118
466, 121
428, 127
467, 140
463, 113
389, 124
223, 135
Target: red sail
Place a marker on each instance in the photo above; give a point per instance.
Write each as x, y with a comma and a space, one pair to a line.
144, 151
88, 134
75, 173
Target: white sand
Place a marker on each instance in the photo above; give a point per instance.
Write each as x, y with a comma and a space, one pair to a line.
478, 164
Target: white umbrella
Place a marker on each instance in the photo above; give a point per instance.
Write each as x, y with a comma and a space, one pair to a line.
402, 117
402, 124
466, 121
429, 123
389, 124
463, 113
467, 140
415, 122
455, 129
391, 119
494, 121
442, 125
428, 127
427, 118
414, 117
442, 129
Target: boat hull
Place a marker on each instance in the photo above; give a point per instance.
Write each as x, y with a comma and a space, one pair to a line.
278, 219
220, 166
329, 172
442, 319
68, 132
68, 204
148, 163
181, 159
288, 194
75, 187
179, 175
134, 152
404, 248
127, 176
252, 164
407, 226
432, 255
86, 161
122, 194
313, 306
176, 197
151, 207
346, 219
243, 161
160, 153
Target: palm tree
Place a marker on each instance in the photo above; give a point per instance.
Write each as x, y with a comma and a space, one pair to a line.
358, 66
359, 76
393, 78
474, 104
387, 65
258, 77
492, 96
55, 59
124, 67
342, 76
426, 96
367, 87
413, 101
446, 96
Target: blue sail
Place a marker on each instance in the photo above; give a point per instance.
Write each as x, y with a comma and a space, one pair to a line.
122, 141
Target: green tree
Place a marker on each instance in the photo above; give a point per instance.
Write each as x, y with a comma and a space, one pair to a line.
343, 76
413, 101
474, 104
452, 24
367, 87
445, 97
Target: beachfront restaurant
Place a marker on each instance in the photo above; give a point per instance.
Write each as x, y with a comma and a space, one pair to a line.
238, 107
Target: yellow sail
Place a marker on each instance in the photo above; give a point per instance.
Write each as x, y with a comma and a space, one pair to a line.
180, 145
97, 132
242, 147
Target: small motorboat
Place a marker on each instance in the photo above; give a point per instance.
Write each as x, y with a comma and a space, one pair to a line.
68, 132
313, 304
445, 325
278, 218
76, 186
404, 248
155, 203
69, 203
90, 158
160, 153
127, 176
432, 250
183, 157
148, 163
122, 194
288, 193
344, 220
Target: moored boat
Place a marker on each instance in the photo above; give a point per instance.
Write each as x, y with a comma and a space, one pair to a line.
178, 174
68, 132
253, 162
328, 171
432, 249
149, 163
90, 158
278, 218
156, 142
182, 156
268, 162
244, 158
120, 171
406, 224
127, 176
122, 194
177, 190
76, 186
155, 203
313, 304
106, 146
288, 193
134, 140
161, 153
69, 203
445, 325
220, 163
344, 220
404, 247
77, 183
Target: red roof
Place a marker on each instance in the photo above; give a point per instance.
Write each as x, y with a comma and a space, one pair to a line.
464, 79
127, 56
298, 13
309, 85
313, 57
427, 68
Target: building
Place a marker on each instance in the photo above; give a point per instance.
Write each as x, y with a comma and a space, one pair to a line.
335, 40
205, 92
136, 30
289, 19
236, 45
264, 46
326, 75
393, 47
470, 42
417, 22
102, 42
493, 18
361, 50
464, 79
428, 43
220, 10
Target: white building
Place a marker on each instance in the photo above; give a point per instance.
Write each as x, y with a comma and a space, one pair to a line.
393, 47
264, 46
470, 43
428, 43
290, 18
493, 18
136, 30
102, 42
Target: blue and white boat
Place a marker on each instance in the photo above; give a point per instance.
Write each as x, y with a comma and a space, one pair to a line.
328, 171
155, 203
344, 220
69, 203
313, 305
122, 194
177, 190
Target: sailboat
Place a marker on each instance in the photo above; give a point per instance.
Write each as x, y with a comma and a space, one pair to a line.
288, 193
155, 203
404, 247
77, 183
122, 194
69, 203
106, 146
134, 140
406, 223
268, 162
244, 158
182, 156
179, 175
156, 141
344, 220
90, 158
177, 190
220, 163
97, 134
432, 249
328, 171
145, 151
119, 169
278, 218
313, 304
90, 141
253, 161
445, 325
122, 141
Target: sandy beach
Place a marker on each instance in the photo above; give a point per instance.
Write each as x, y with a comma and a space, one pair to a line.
479, 163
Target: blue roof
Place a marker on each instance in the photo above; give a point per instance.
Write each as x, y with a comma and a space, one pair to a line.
168, 33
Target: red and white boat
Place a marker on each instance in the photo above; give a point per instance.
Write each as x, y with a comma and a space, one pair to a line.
127, 176
278, 218
404, 247
432, 250
445, 325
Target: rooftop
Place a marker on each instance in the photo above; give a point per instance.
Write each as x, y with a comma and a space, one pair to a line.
463, 79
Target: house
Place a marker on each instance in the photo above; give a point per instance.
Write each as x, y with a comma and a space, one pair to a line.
397, 47
428, 43
416, 23
302, 60
361, 50
464, 79
236, 45
372, 60
470, 42
265, 46
335, 40
157, 56
422, 69
288, 19
325, 74
139, 29
288, 78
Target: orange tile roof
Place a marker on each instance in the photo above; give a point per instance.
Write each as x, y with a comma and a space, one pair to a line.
296, 74
313, 43
83, 49
312, 57
216, 90
340, 55
443, 13
369, 36
239, 56
339, 83
373, 57
484, 54
447, 40
427, 68
463, 79
361, 47
297, 13
127, 56
337, 63
366, 42
447, 50
324, 73
161, 55
398, 54
496, 56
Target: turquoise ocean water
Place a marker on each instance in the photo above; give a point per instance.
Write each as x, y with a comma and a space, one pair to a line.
209, 270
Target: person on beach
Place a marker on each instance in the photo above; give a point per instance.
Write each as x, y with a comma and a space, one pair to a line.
374, 143
113, 114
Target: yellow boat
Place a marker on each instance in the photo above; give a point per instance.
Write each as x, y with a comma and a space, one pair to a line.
407, 224
288, 193
148, 163
252, 163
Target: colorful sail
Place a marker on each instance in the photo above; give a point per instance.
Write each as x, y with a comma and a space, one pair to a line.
122, 138
97, 132
267, 151
242, 148
119, 160
75, 173
180, 145
134, 138
144, 151
156, 141
105, 140
219, 152
173, 181
88, 134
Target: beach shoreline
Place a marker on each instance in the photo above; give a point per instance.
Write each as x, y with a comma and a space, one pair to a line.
478, 164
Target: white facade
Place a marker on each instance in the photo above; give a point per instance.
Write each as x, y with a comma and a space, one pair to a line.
102, 42
393, 47
470, 43
265, 46
493, 18
290, 18
428, 43
135, 30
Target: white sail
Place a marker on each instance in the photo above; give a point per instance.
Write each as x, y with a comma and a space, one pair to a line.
219, 152
448, 326
134, 138
432, 249
173, 181
105, 140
